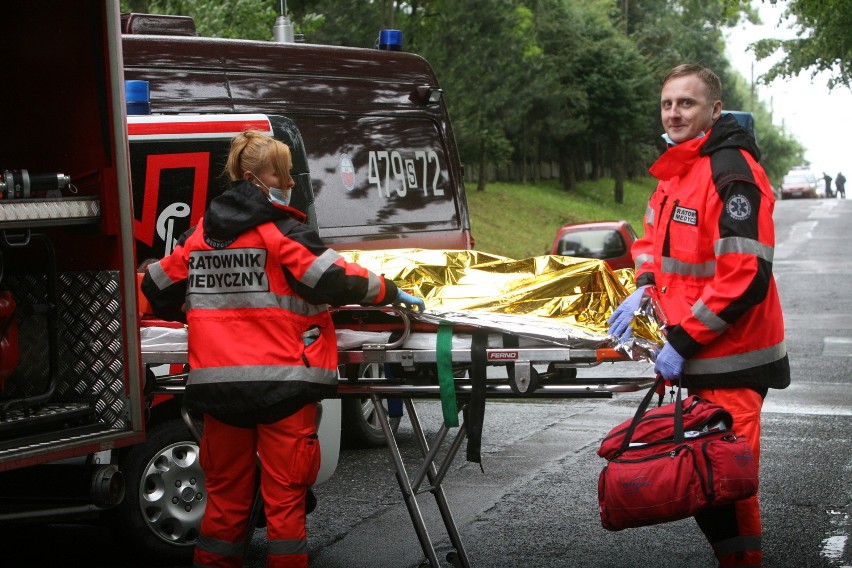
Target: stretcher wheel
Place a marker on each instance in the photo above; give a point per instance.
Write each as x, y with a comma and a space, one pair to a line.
454, 559
520, 383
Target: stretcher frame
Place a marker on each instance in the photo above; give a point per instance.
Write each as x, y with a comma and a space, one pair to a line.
523, 380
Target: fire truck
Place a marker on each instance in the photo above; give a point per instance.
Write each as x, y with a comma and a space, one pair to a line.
89, 189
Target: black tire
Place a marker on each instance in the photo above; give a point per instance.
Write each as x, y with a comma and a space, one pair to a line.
160, 516
360, 421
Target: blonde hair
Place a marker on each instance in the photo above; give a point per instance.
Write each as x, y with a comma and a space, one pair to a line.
252, 150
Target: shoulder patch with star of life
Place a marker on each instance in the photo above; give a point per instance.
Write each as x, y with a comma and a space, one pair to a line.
738, 207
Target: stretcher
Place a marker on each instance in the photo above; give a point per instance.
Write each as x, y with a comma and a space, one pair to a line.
482, 364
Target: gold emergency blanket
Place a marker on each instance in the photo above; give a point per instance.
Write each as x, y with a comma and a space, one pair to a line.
557, 299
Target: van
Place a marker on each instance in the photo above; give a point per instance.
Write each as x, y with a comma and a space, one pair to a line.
375, 161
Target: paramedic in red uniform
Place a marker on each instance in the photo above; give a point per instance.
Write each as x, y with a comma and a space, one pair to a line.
708, 247
256, 283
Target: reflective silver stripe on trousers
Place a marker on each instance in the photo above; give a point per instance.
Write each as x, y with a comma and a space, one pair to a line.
700, 270
290, 546
743, 245
219, 546
255, 373
710, 320
319, 266
743, 543
733, 363
241, 300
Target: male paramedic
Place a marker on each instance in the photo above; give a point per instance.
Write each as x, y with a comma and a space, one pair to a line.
708, 247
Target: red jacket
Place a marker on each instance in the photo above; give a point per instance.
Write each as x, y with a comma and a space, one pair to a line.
257, 284
708, 247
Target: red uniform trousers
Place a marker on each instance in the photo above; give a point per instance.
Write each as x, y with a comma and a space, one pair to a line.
734, 531
290, 459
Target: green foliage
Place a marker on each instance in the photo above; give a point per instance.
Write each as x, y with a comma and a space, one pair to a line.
483, 51
575, 82
823, 42
520, 221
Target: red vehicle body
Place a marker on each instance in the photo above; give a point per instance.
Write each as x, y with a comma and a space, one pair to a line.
801, 182
604, 240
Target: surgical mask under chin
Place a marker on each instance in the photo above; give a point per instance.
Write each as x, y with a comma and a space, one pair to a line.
279, 196
671, 142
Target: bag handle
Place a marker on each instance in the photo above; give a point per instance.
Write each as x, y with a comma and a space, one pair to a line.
643, 406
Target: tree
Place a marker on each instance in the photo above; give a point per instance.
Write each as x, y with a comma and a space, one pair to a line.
481, 51
823, 42
621, 95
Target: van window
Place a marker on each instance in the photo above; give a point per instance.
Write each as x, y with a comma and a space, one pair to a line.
388, 175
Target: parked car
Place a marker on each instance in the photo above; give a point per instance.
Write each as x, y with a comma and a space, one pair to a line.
801, 182
605, 240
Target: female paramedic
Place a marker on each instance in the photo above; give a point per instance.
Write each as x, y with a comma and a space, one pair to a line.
255, 283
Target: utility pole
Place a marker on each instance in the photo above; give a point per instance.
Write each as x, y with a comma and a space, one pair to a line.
751, 109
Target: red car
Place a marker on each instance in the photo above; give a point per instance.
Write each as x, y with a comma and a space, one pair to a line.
606, 240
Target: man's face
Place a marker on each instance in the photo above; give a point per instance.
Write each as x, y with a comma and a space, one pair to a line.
685, 109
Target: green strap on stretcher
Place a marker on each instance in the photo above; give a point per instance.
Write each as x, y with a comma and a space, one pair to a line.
446, 381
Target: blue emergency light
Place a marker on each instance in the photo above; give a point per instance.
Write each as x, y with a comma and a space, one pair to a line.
390, 40
137, 97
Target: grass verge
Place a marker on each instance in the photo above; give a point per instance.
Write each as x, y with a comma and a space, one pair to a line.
520, 221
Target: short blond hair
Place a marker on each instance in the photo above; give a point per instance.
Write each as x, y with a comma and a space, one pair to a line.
710, 79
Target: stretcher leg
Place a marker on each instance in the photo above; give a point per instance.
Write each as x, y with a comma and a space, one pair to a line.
459, 556
436, 479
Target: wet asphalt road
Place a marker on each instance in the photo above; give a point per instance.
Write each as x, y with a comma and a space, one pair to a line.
535, 505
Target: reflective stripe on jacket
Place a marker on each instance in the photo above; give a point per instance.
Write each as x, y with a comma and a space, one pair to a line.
708, 247
248, 306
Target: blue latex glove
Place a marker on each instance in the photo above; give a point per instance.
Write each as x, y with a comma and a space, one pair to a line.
623, 315
669, 362
409, 301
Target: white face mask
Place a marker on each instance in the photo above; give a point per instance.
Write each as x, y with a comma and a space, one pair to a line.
276, 196
671, 142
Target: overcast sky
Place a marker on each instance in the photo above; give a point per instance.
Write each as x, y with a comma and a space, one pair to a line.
820, 120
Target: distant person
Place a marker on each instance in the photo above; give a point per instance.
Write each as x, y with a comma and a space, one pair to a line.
840, 184
708, 247
827, 179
